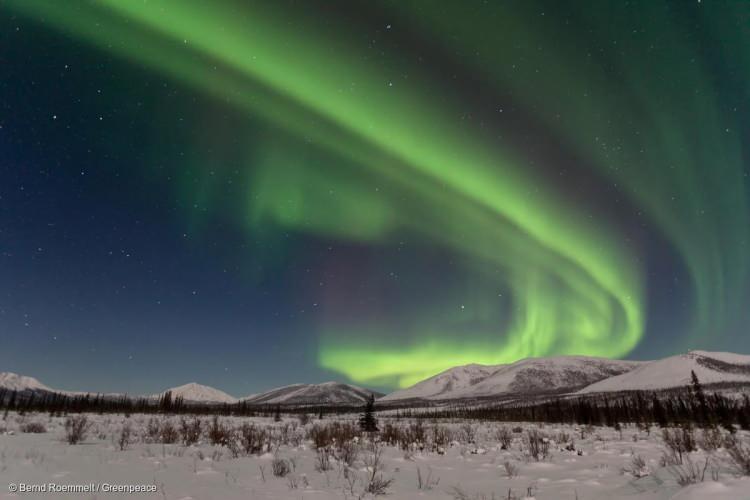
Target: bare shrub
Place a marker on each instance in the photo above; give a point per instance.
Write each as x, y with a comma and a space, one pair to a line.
190, 431
283, 433
168, 433
391, 434
668, 458
415, 436
510, 470
124, 440
280, 467
292, 482
153, 430
469, 432
689, 472
586, 430
739, 456
537, 445
347, 452
322, 460
33, 428
710, 440
232, 443
426, 483
351, 478
218, 433
324, 436
441, 436
296, 437
637, 467
376, 483
304, 419
252, 439
76, 428
688, 438
562, 437
679, 442
320, 436
504, 437
572, 447
344, 431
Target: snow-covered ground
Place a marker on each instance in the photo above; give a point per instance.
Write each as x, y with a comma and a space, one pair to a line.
598, 463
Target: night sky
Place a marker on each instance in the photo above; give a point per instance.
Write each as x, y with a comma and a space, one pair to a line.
251, 194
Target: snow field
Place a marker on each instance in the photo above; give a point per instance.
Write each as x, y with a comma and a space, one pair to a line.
435, 460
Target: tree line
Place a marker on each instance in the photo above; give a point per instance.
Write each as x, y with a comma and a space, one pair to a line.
691, 405
59, 403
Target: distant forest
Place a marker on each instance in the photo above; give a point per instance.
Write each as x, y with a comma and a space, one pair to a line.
691, 405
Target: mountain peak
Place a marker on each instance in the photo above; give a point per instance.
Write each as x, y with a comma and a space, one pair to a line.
14, 381
193, 391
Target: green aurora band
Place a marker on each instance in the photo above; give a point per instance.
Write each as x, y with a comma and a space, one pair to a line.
351, 151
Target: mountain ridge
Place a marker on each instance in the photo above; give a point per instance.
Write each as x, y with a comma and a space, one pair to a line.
674, 371
575, 375
526, 376
323, 393
335, 393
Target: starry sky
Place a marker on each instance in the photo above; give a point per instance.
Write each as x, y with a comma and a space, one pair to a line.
251, 194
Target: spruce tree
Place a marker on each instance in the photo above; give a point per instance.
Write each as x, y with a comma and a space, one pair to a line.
743, 414
703, 416
367, 421
277, 414
11, 404
660, 416
165, 405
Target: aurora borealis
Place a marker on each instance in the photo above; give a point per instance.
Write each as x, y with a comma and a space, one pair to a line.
392, 188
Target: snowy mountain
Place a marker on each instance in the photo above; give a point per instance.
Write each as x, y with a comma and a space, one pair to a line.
443, 384
13, 381
325, 393
528, 376
23, 383
199, 394
189, 392
710, 367
545, 375
533, 376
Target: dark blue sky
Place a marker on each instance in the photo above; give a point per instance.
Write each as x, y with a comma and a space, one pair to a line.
127, 262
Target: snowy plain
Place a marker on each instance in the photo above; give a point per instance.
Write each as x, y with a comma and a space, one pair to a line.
598, 463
